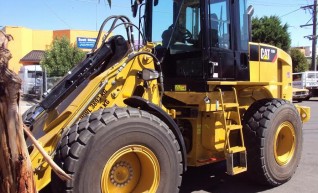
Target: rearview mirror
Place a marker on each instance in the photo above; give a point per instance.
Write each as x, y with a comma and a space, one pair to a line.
134, 7
250, 12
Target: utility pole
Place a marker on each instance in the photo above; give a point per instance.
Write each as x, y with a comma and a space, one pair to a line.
314, 40
313, 37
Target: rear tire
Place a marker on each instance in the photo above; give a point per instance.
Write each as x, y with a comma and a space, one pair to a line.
119, 150
273, 139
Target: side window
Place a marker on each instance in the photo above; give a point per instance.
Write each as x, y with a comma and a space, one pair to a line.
185, 37
242, 36
311, 75
219, 24
31, 74
162, 21
296, 77
193, 21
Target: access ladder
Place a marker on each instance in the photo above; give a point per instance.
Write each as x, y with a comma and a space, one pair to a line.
235, 154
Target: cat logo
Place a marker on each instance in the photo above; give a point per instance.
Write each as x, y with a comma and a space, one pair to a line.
268, 54
265, 54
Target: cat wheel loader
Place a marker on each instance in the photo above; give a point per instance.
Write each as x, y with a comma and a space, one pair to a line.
191, 90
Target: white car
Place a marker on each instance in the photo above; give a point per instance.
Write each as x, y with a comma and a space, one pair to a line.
300, 94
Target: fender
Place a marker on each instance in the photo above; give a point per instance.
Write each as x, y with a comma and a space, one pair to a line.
139, 102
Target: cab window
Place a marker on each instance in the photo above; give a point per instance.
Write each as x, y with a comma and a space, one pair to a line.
219, 23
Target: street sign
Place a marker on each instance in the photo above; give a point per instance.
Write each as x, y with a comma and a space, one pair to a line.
85, 43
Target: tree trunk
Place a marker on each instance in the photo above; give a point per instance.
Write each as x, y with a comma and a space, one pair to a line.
16, 175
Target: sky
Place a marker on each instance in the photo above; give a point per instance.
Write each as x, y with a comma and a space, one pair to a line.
89, 14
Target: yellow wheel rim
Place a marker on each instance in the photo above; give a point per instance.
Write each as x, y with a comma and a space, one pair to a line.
133, 168
284, 143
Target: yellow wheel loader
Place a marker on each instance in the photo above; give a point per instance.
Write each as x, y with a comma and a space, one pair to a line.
190, 90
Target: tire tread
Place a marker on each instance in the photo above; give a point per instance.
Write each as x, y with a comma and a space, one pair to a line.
76, 139
255, 123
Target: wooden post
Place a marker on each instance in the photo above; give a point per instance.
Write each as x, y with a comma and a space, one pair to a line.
16, 175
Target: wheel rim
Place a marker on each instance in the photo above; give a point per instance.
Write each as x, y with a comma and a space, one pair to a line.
285, 143
133, 168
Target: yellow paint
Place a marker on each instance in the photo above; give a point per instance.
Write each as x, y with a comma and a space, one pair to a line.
284, 143
133, 168
304, 112
278, 72
108, 89
213, 133
112, 86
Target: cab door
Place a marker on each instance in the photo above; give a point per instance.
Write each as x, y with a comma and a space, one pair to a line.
220, 64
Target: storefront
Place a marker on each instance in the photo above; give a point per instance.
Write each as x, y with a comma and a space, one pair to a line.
28, 41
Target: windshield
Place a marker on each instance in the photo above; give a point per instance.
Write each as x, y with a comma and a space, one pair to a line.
177, 24
312, 75
297, 77
162, 19
181, 34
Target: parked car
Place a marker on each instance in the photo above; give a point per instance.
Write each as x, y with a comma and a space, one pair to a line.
31, 76
308, 80
300, 94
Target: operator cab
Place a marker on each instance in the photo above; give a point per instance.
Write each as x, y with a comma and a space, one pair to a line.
199, 40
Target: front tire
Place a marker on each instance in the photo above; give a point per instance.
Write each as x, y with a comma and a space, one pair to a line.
273, 139
119, 150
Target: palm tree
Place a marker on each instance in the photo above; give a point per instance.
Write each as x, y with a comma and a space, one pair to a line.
16, 175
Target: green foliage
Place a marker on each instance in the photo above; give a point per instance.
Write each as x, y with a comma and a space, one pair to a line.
61, 57
300, 63
271, 31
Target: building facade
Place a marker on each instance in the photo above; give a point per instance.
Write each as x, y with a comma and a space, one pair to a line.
29, 42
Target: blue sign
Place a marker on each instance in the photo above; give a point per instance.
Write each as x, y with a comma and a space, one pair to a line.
85, 43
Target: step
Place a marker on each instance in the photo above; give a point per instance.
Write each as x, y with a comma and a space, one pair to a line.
237, 170
230, 105
237, 149
236, 163
234, 127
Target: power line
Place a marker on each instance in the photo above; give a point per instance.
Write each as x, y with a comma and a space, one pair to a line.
275, 4
56, 15
97, 1
290, 13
